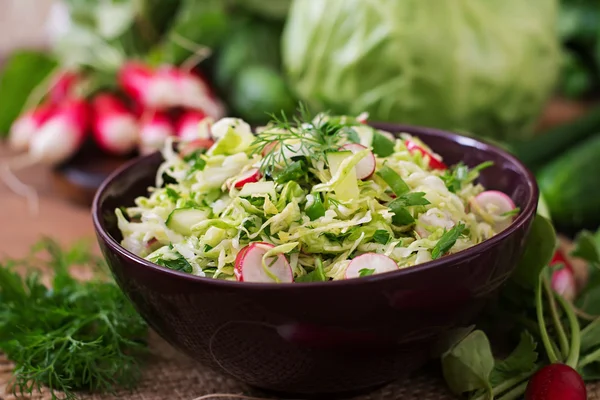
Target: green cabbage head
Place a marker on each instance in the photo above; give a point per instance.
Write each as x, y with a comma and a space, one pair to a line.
484, 67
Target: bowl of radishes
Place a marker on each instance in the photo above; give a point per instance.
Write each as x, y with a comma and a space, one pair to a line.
328, 295
82, 129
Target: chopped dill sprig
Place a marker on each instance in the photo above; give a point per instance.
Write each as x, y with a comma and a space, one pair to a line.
303, 135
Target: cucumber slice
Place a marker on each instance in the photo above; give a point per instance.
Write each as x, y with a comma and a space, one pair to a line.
348, 188
181, 220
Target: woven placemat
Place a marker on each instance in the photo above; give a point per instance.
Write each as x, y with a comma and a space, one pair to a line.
170, 375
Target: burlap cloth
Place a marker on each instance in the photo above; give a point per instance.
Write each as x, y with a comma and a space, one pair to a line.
169, 375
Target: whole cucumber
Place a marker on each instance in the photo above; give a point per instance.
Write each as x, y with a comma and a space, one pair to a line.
570, 185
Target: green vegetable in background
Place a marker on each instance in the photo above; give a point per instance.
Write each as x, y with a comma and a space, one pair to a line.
570, 187
21, 73
259, 91
272, 9
198, 23
72, 335
487, 67
249, 43
579, 31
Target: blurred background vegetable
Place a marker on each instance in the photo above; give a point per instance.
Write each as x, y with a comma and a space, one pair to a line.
481, 67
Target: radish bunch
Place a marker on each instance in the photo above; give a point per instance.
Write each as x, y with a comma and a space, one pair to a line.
150, 106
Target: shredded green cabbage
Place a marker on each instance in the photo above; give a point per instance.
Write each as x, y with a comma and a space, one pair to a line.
292, 188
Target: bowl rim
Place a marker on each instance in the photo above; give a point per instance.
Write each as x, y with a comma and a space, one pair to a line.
527, 213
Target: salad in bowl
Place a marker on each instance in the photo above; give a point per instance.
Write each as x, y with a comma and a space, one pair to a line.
313, 199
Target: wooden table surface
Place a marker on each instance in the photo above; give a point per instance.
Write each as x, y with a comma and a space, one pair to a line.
57, 217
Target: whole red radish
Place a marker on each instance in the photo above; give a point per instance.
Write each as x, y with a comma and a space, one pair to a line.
556, 382
192, 125
62, 86
114, 126
61, 136
26, 125
197, 94
154, 131
153, 89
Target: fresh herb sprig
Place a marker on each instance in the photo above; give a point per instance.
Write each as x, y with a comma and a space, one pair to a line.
72, 335
306, 135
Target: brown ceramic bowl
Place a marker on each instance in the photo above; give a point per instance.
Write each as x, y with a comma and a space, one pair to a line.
330, 336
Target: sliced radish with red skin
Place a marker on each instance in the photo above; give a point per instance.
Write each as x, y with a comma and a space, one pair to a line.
114, 126
434, 162
237, 270
556, 382
370, 261
27, 124
189, 147
365, 167
250, 268
250, 176
500, 201
269, 148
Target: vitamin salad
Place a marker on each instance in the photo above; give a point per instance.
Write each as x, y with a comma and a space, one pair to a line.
313, 199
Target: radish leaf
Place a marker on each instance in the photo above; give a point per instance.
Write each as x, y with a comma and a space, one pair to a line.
467, 366
521, 360
587, 246
539, 250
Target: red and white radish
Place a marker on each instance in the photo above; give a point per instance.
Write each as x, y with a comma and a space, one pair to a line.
494, 203
365, 167
556, 382
250, 176
373, 263
195, 93
187, 148
192, 125
153, 89
434, 162
114, 126
249, 267
154, 131
61, 136
26, 125
563, 283
62, 86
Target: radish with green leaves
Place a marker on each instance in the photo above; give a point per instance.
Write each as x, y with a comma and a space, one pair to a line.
365, 167
154, 131
369, 264
251, 265
24, 127
114, 127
